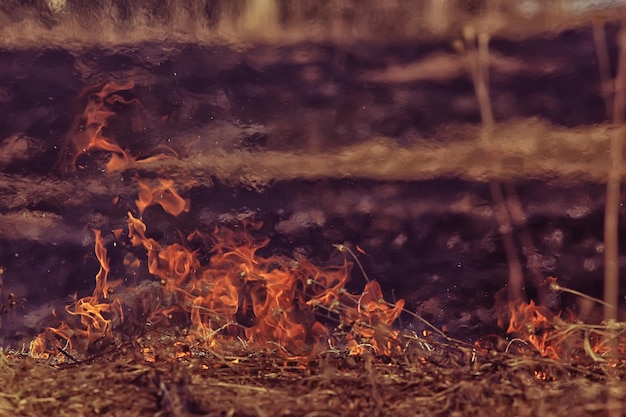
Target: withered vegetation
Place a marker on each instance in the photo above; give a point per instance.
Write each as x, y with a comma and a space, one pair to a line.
158, 374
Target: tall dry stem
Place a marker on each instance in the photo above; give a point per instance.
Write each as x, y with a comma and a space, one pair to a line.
476, 50
613, 185
604, 68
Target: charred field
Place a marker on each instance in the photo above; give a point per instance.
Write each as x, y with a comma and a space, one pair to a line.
209, 210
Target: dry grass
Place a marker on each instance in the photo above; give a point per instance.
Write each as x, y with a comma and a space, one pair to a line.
429, 378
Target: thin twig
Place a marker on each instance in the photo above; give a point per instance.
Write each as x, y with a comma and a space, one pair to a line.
556, 287
529, 250
67, 354
613, 185
342, 248
604, 70
516, 275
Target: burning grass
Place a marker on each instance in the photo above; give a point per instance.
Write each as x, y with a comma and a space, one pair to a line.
238, 299
236, 296
241, 334
214, 282
221, 327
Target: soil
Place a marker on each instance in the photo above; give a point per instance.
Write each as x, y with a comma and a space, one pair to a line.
368, 136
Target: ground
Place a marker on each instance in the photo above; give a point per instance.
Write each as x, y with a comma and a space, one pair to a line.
428, 378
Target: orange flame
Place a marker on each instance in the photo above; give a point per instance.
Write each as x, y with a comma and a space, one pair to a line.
97, 313
534, 324
372, 321
266, 301
88, 130
560, 337
103, 285
164, 195
237, 294
237, 285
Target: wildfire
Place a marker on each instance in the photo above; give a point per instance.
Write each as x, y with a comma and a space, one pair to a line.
236, 295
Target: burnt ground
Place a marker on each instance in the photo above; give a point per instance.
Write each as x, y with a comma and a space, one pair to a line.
159, 374
375, 144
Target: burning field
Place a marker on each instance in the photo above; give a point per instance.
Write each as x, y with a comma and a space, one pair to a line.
255, 208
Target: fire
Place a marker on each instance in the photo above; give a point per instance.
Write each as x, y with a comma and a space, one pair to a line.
564, 337
237, 295
91, 130
233, 295
96, 314
534, 324
164, 194
88, 131
262, 300
374, 319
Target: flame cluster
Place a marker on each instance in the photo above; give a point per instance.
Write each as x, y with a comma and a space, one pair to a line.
236, 296
562, 336
225, 290
533, 324
96, 314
